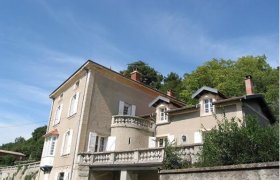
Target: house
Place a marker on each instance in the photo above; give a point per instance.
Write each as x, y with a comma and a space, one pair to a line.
103, 125
17, 155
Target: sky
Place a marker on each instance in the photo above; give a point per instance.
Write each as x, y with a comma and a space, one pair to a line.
42, 42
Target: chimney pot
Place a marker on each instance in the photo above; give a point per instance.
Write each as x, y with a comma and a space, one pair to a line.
249, 85
170, 92
135, 75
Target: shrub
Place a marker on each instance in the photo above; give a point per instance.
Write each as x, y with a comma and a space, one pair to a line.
235, 143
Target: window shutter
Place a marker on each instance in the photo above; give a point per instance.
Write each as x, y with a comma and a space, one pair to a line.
66, 176
55, 176
111, 143
69, 142
171, 139
58, 115
197, 137
121, 105
91, 141
76, 103
133, 110
152, 142
62, 146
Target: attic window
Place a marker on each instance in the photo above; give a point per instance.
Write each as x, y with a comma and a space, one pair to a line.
208, 106
163, 116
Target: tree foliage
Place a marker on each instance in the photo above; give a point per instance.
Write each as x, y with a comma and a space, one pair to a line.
149, 77
172, 81
32, 147
231, 143
228, 77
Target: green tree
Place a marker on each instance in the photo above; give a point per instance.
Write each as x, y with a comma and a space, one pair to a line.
149, 77
32, 147
232, 143
172, 81
228, 77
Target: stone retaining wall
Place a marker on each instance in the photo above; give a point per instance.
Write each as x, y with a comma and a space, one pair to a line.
261, 171
19, 172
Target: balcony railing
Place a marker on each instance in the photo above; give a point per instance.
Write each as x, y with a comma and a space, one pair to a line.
132, 121
141, 156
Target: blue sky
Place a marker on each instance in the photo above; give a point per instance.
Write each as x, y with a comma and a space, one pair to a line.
42, 42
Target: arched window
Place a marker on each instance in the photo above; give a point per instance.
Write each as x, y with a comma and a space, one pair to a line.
74, 104
58, 114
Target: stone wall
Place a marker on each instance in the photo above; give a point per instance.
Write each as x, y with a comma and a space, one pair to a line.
18, 172
261, 171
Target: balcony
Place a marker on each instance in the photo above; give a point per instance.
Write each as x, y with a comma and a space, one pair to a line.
133, 122
149, 156
47, 161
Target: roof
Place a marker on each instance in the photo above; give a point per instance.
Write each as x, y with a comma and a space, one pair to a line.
246, 98
183, 109
12, 152
86, 66
53, 132
204, 89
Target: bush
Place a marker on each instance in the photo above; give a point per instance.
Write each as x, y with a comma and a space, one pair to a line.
172, 158
231, 143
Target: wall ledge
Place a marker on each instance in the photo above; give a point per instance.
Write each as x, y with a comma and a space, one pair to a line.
252, 166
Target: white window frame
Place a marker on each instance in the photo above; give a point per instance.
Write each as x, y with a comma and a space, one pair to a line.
97, 147
67, 141
73, 107
94, 143
163, 139
126, 109
50, 146
208, 106
58, 114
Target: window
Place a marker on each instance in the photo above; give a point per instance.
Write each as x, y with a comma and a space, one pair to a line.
163, 116
74, 104
96, 143
66, 145
58, 114
208, 106
101, 145
60, 176
49, 146
184, 139
126, 109
161, 141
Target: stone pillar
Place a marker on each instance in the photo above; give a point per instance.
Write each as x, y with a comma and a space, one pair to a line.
125, 175
83, 173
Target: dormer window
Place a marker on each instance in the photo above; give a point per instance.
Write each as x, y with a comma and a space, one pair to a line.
163, 116
208, 106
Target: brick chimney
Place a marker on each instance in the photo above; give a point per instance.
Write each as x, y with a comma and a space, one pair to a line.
170, 92
135, 75
249, 85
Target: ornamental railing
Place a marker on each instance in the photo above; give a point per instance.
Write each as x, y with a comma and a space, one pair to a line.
140, 156
132, 121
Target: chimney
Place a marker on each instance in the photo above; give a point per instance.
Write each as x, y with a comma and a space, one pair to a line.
249, 85
135, 75
170, 92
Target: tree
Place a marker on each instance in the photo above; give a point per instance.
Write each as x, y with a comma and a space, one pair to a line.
149, 77
32, 147
228, 77
231, 143
174, 82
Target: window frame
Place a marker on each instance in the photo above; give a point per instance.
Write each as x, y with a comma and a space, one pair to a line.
208, 106
73, 106
50, 146
67, 142
57, 116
